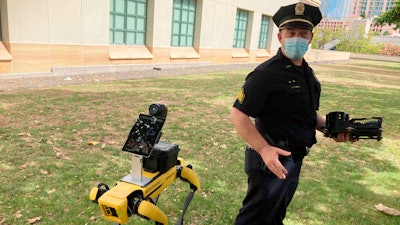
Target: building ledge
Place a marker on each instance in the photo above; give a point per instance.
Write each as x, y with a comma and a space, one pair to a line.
262, 54
120, 52
4, 54
184, 53
240, 53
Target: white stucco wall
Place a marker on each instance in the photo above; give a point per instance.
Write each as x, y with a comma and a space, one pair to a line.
87, 22
58, 21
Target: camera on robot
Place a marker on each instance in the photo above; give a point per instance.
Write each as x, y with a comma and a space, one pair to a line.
146, 131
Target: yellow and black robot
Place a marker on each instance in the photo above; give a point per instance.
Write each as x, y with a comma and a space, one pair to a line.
155, 165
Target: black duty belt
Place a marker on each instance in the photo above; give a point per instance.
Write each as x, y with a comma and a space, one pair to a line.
298, 152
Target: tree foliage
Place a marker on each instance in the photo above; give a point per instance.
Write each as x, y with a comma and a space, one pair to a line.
322, 37
356, 40
350, 41
390, 17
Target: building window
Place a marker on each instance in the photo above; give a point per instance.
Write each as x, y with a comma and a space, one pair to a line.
262, 41
128, 22
183, 23
239, 39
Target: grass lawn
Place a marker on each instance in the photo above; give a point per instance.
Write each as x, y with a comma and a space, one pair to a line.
48, 168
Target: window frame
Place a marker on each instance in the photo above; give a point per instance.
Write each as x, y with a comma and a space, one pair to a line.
132, 25
183, 23
264, 29
240, 34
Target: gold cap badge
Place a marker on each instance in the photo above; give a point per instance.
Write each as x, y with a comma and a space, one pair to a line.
299, 10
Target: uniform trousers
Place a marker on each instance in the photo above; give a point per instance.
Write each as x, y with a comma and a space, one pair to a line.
267, 196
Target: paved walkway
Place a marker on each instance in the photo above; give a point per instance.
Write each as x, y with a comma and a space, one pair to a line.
81, 75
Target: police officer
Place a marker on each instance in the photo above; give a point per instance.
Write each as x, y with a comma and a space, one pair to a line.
282, 95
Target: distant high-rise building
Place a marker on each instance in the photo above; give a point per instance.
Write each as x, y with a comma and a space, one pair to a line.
342, 9
335, 9
370, 8
347, 14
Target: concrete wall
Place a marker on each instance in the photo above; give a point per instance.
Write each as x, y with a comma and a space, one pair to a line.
316, 55
375, 57
58, 21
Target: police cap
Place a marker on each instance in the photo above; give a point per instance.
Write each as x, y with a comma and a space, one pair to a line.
297, 15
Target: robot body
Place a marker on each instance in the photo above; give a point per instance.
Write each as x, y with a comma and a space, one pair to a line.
136, 192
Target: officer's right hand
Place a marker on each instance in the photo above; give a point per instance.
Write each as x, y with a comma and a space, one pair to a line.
270, 156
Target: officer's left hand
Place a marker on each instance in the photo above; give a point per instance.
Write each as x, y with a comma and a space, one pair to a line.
344, 137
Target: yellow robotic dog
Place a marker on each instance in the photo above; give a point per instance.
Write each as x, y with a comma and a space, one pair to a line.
155, 165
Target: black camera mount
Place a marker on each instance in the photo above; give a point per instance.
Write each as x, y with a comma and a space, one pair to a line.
358, 128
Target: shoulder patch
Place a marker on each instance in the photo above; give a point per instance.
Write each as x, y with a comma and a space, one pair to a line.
241, 95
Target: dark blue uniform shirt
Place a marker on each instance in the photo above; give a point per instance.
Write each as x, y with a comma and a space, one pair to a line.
283, 99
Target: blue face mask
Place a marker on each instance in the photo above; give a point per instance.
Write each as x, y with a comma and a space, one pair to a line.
295, 48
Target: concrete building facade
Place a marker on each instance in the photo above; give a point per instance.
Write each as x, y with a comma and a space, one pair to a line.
39, 35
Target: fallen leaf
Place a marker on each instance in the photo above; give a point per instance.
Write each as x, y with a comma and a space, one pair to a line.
387, 210
93, 143
60, 155
23, 166
18, 214
51, 191
34, 220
